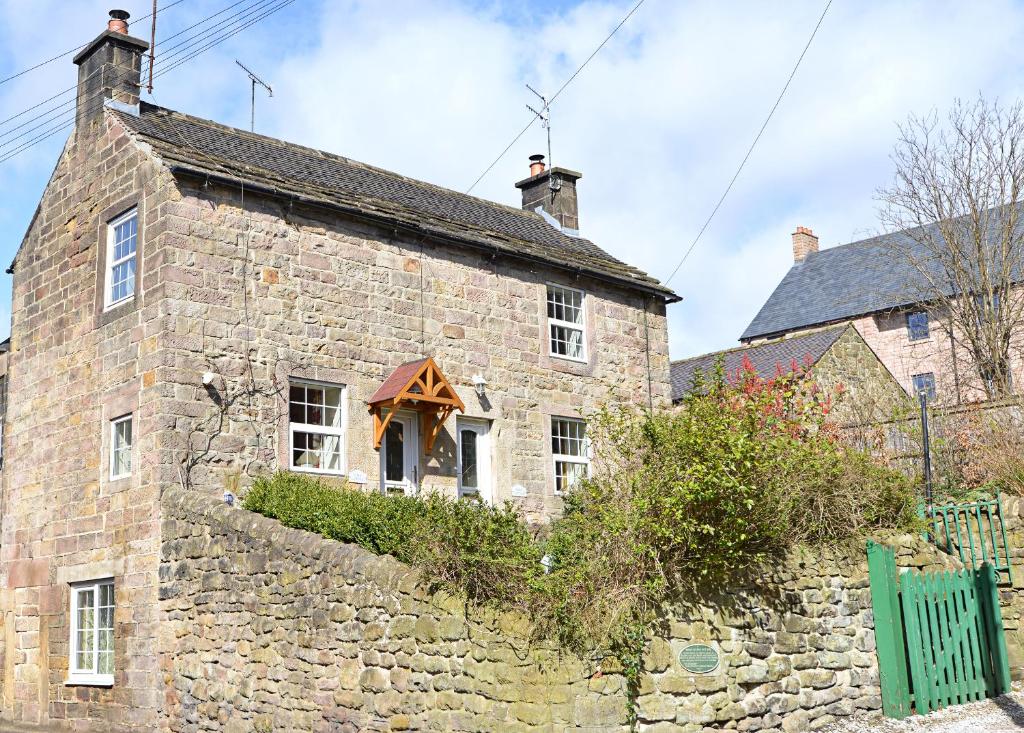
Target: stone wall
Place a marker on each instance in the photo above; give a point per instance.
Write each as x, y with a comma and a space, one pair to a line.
331, 299
72, 368
270, 629
870, 391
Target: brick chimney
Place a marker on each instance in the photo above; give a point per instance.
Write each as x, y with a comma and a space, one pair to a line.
109, 68
804, 243
554, 192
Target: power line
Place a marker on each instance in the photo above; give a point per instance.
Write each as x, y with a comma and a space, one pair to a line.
76, 48
752, 145
258, 5
556, 94
99, 96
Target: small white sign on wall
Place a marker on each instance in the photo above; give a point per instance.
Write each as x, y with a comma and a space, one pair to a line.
518, 490
356, 476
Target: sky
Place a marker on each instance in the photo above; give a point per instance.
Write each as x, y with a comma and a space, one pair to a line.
657, 122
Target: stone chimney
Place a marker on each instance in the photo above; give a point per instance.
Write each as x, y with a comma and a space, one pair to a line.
109, 68
804, 243
552, 193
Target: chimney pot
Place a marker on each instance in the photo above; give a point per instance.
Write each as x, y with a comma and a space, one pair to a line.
118, 22
805, 242
536, 164
109, 68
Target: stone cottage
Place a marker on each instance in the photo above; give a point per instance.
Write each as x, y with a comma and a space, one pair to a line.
194, 305
835, 357
873, 285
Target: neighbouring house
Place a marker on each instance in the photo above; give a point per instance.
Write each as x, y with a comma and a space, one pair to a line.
194, 305
870, 285
834, 357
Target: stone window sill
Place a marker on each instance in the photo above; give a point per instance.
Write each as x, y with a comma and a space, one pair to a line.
89, 680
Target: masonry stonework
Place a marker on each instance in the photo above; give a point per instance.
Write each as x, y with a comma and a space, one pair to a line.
259, 295
871, 394
311, 296
271, 629
72, 368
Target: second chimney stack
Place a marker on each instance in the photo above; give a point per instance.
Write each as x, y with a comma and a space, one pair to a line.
552, 192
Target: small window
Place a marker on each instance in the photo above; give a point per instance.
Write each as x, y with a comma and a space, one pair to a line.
122, 243
565, 323
317, 427
917, 325
925, 383
121, 447
570, 451
92, 633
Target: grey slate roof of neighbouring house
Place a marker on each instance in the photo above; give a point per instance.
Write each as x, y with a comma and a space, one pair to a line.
842, 282
193, 145
766, 358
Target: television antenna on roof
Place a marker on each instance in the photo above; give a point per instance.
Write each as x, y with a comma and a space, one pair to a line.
255, 80
544, 115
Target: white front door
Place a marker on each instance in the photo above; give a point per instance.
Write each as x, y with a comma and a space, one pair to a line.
399, 455
473, 463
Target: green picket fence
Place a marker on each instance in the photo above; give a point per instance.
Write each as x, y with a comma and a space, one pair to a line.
939, 636
974, 532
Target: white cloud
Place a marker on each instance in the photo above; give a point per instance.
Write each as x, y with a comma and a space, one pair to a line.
657, 122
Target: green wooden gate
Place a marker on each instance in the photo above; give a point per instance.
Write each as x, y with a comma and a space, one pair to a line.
939, 636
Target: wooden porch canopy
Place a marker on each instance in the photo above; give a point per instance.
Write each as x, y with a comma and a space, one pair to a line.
418, 386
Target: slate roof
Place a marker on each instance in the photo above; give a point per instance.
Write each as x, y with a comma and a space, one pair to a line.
193, 145
766, 358
842, 282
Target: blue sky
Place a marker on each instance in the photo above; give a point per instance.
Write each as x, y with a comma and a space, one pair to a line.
656, 123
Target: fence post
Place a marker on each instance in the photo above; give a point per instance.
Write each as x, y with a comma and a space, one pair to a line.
890, 649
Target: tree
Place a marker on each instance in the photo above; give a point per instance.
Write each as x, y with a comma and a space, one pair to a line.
956, 195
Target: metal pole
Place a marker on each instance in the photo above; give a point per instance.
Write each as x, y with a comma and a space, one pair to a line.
252, 108
152, 48
922, 397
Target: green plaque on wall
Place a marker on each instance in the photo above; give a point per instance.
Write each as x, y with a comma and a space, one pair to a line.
699, 659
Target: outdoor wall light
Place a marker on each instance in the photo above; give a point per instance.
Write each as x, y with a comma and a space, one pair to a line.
480, 384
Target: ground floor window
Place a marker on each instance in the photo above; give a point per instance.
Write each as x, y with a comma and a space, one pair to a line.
316, 419
92, 633
570, 452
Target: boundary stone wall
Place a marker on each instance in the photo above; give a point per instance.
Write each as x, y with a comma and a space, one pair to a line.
268, 628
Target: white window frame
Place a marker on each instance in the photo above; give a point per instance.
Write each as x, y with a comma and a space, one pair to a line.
108, 278
556, 458
114, 476
484, 488
91, 676
339, 432
581, 327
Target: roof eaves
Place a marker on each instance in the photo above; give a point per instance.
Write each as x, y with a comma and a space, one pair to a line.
414, 224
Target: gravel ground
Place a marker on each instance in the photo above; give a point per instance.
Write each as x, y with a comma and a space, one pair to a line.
1004, 714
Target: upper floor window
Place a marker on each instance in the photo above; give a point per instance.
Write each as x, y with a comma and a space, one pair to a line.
917, 325
316, 416
925, 383
566, 323
570, 451
92, 633
121, 447
122, 243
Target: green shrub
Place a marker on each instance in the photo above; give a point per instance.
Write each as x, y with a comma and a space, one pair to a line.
463, 546
681, 501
